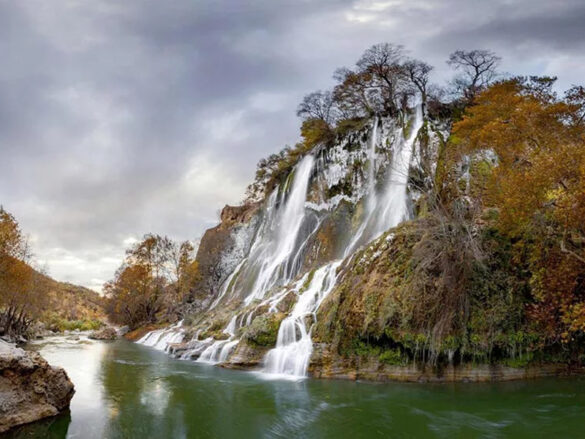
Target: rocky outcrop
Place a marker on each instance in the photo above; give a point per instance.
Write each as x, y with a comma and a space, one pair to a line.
107, 333
231, 215
222, 248
246, 356
30, 389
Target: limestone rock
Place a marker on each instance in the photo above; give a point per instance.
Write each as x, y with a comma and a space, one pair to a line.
30, 389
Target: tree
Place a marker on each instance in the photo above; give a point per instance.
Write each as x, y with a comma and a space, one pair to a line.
384, 63
478, 69
575, 97
538, 188
418, 73
355, 94
154, 279
318, 105
20, 303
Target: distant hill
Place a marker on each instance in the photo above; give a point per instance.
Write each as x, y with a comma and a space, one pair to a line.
72, 302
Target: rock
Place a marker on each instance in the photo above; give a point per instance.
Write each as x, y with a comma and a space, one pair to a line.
123, 331
246, 356
30, 389
107, 333
264, 329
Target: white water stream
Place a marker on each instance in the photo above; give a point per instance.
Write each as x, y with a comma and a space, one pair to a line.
275, 257
293, 348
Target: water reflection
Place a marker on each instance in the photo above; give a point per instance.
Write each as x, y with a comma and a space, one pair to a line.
129, 391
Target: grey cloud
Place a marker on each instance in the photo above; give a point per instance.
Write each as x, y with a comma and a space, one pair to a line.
120, 118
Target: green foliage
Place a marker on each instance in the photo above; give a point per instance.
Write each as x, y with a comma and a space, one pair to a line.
58, 324
392, 357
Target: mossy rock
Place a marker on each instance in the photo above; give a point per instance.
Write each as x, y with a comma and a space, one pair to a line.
264, 329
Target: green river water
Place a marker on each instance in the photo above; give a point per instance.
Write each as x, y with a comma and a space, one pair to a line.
124, 390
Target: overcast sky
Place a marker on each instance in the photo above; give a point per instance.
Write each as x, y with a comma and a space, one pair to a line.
119, 118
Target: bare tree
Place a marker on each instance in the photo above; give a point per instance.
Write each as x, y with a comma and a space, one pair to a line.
478, 69
384, 62
318, 105
418, 73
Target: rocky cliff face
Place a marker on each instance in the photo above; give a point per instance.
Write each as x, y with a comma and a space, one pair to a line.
268, 268
30, 389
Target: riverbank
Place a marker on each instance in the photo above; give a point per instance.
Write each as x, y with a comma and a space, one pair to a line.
324, 364
127, 390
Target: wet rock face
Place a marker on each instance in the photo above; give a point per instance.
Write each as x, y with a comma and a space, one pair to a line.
30, 389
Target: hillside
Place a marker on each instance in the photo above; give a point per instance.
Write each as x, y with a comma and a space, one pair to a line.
29, 297
408, 237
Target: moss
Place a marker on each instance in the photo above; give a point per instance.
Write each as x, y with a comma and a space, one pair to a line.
217, 334
518, 362
308, 281
264, 329
347, 126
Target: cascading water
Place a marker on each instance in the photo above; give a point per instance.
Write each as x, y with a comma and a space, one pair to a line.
371, 198
393, 206
162, 338
219, 350
275, 257
294, 346
389, 208
228, 283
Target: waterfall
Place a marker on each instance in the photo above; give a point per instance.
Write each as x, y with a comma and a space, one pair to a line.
276, 256
228, 283
388, 209
371, 198
219, 350
161, 339
294, 346
393, 207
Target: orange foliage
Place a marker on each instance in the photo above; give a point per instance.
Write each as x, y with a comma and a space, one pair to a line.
538, 187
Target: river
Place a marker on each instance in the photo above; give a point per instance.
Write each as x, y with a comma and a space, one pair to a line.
124, 390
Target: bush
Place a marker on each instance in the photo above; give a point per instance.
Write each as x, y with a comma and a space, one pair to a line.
59, 324
392, 357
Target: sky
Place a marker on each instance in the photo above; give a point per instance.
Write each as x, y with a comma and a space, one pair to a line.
120, 118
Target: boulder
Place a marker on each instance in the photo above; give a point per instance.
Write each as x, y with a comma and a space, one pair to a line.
30, 389
107, 333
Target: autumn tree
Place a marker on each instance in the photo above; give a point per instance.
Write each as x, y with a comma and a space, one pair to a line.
355, 94
538, 188
21, 301
384, 62
477, 68
154, 278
